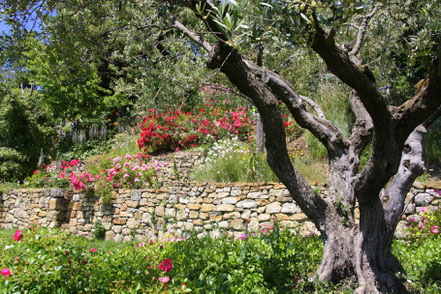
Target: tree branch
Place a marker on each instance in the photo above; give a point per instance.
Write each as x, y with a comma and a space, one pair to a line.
323, 129
357, 76
362, 29
426, 101
191, 34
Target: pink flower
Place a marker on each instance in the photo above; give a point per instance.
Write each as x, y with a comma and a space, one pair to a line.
165, 265
164, 279
242, 236
423, 209
18, 235
435, 231
420, 225
6, 272
67, 252
140, 244
93, 250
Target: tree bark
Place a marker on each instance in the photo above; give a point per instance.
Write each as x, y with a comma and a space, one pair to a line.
361, 249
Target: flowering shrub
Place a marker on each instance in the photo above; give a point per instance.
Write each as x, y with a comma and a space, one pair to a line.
52, 176
271, 261
176, 130
426, 224
128, 171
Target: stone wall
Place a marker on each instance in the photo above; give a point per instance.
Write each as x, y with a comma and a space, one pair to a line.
208, 208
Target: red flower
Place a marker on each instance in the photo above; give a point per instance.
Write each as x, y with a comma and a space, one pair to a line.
165, 265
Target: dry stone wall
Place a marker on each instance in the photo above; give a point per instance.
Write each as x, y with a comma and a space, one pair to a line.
208, 208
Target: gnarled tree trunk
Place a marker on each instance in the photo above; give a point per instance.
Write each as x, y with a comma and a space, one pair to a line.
358, 249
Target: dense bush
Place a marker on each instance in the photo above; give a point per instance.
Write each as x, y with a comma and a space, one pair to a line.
25, 131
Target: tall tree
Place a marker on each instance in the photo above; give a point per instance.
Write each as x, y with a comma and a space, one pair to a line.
352, 248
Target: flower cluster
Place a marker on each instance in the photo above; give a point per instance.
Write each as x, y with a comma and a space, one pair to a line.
426, 223
174, 130
128, 171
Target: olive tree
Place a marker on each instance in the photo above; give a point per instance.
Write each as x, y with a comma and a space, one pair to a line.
353, 247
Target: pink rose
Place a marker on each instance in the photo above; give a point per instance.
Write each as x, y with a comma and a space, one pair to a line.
18, 235
6, 272
164, 279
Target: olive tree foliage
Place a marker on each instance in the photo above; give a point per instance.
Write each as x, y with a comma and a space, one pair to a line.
346, 36
90, 57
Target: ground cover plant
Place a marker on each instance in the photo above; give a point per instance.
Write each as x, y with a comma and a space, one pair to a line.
40, 260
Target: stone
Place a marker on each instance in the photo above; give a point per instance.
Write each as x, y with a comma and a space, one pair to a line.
207, 207
159, 210
135, 195
273, 207
146, 218
234, 214
423, 199
181, 215
57, 204
237, 224
225, 207
410, 208
132, 223
229, 200
198, 222
124, 207
298, 217
193, 214
246, 214
119, 221
132, 204
264, 217
247, 203
223, 224
254, 195
290, 208
253, 225
193, 206
76, 206
57, 193
20, 213
170, 212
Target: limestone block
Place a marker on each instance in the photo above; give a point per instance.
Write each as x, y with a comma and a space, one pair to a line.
119, 221
135, 195
207, 207
273, 207
253, 225
193, 214
234, 214
170, 212
193, 206
423, 199
132, 204
237, 224
109, 236
225, 207
229, 200
264, 217
254, 195
247, 203
290, 208
57, 204
132, 223
159, 210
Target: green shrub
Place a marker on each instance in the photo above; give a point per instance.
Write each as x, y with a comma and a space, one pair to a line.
26, 130
230, 160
